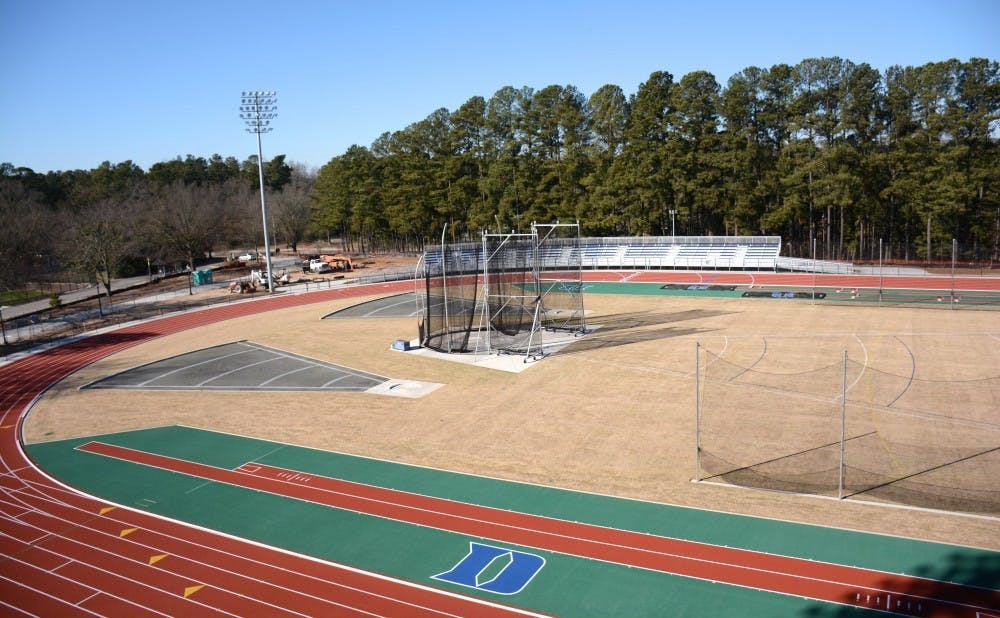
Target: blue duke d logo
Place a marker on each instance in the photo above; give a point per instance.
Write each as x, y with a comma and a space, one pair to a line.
494, 569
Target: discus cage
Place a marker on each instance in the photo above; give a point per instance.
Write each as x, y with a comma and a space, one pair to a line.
500, 295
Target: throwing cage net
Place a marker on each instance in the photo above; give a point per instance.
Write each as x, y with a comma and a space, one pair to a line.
796, 432
451, 286
499, 296
559, 271
510, 293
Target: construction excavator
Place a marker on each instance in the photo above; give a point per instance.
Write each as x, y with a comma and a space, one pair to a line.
338, 261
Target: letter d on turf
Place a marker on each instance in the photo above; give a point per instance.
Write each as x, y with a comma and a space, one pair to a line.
517, 570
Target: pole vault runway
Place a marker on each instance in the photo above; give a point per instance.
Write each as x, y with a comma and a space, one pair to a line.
65, 553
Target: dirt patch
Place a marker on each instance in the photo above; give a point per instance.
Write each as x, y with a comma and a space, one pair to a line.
613, 414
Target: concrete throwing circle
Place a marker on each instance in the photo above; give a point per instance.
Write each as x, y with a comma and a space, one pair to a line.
244, 366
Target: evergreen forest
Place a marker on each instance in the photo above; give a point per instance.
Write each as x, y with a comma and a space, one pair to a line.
826, 150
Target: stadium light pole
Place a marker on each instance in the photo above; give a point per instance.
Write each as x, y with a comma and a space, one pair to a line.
257, 109
673, 229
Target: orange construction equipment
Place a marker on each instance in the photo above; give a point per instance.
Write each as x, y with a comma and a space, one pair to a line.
338, 262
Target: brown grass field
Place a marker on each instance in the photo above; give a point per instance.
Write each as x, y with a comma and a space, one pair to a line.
614, 413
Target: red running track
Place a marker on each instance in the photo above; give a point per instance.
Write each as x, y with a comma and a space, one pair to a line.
893, 282
781, 574
63, 553
69, 554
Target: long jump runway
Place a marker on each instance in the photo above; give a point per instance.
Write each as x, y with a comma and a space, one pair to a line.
66, 553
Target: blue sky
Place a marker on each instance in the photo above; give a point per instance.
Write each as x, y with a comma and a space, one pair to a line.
85, 82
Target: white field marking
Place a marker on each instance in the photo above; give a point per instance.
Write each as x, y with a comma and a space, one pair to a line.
913, 371
904, 507
715, 357
16, 519
640, 500
605, 543
103, 550
59, 486
333, 381
197, 487
46, 594
13, 510
389, 306
226, 373
284, 354
864, 366
763, 353
83, 585
205, 362
283, 375
92, 435
153, 550
270, 452
872, 409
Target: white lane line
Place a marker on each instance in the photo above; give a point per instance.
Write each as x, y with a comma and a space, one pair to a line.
211, 360
241, 368
283, 375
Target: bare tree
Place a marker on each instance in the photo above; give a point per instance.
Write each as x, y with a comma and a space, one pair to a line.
290, 212
25, 232
100, 239
186, 222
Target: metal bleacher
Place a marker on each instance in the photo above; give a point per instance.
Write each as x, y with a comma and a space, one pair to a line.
653, 252
695, 252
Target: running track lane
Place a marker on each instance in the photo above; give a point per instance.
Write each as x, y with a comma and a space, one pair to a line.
890, 282
794, 576
64, 553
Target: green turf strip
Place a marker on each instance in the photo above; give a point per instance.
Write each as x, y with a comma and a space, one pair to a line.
566, 586
652, 289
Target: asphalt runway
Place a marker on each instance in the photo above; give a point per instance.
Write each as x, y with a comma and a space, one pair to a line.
397, 306
242, 365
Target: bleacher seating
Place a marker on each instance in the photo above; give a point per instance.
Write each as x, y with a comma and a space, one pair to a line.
644, 252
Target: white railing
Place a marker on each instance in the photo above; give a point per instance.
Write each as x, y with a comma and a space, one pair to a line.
649, 252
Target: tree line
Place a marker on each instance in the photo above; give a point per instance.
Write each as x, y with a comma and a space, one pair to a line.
119, 220
826, 151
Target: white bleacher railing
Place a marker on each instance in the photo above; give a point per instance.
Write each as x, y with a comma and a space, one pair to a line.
652, 252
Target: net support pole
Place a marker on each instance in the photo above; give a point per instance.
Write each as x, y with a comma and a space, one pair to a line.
954, 250
813, 301
880, 271
697, 414
843, 428
444, 285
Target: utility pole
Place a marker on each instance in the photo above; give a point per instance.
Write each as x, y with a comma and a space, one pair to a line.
257, 109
